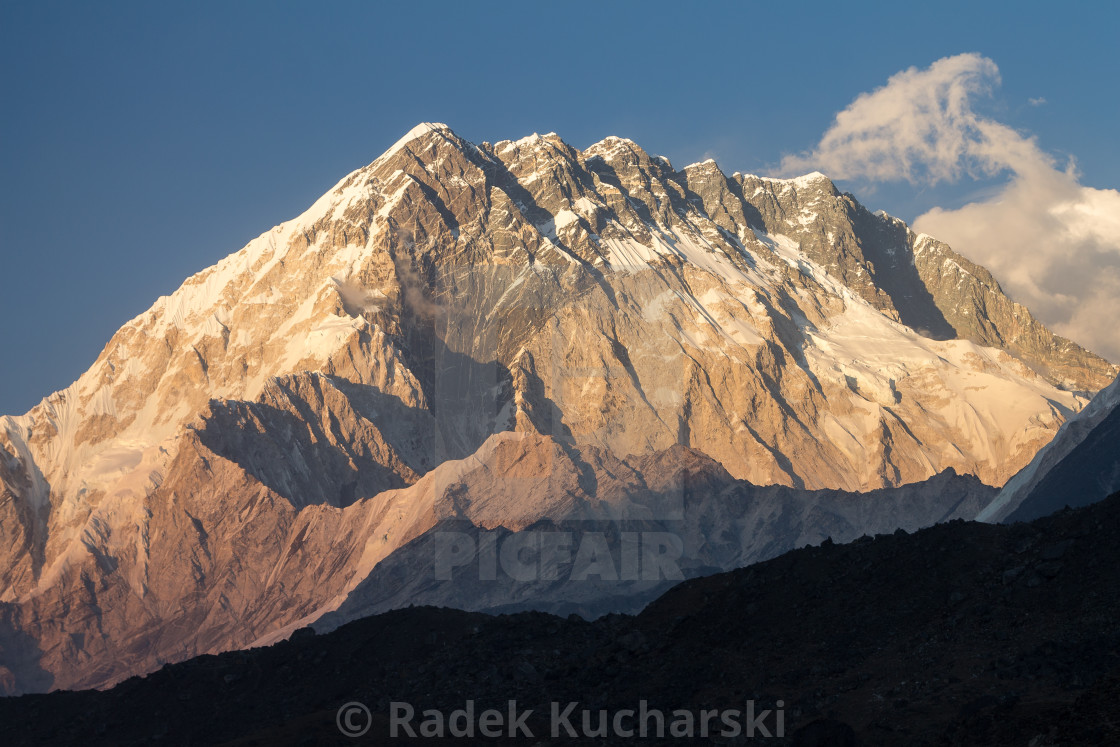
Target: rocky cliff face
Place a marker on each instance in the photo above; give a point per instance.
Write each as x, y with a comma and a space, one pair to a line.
242, 454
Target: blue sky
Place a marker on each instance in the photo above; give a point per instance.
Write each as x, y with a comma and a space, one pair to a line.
141, 142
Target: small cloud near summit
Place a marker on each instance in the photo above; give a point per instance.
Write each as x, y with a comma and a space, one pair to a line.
1037, 101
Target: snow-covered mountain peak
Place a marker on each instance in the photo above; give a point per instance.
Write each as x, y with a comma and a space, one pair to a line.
371, 253
417, 132
598, 302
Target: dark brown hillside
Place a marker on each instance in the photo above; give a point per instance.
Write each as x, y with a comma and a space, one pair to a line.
961, 634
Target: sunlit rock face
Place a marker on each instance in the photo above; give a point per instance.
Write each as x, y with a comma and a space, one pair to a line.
244, 453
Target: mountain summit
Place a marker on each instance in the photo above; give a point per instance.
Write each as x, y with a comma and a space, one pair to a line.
241, 455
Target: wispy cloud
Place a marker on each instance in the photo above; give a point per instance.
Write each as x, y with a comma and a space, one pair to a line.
1053, 243
1036, 101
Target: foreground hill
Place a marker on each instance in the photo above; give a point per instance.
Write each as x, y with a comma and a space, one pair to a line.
960, 634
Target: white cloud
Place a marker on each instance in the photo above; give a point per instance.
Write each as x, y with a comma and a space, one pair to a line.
1053, 243
1036, 101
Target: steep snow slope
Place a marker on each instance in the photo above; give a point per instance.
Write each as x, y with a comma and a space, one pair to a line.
1080, 466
